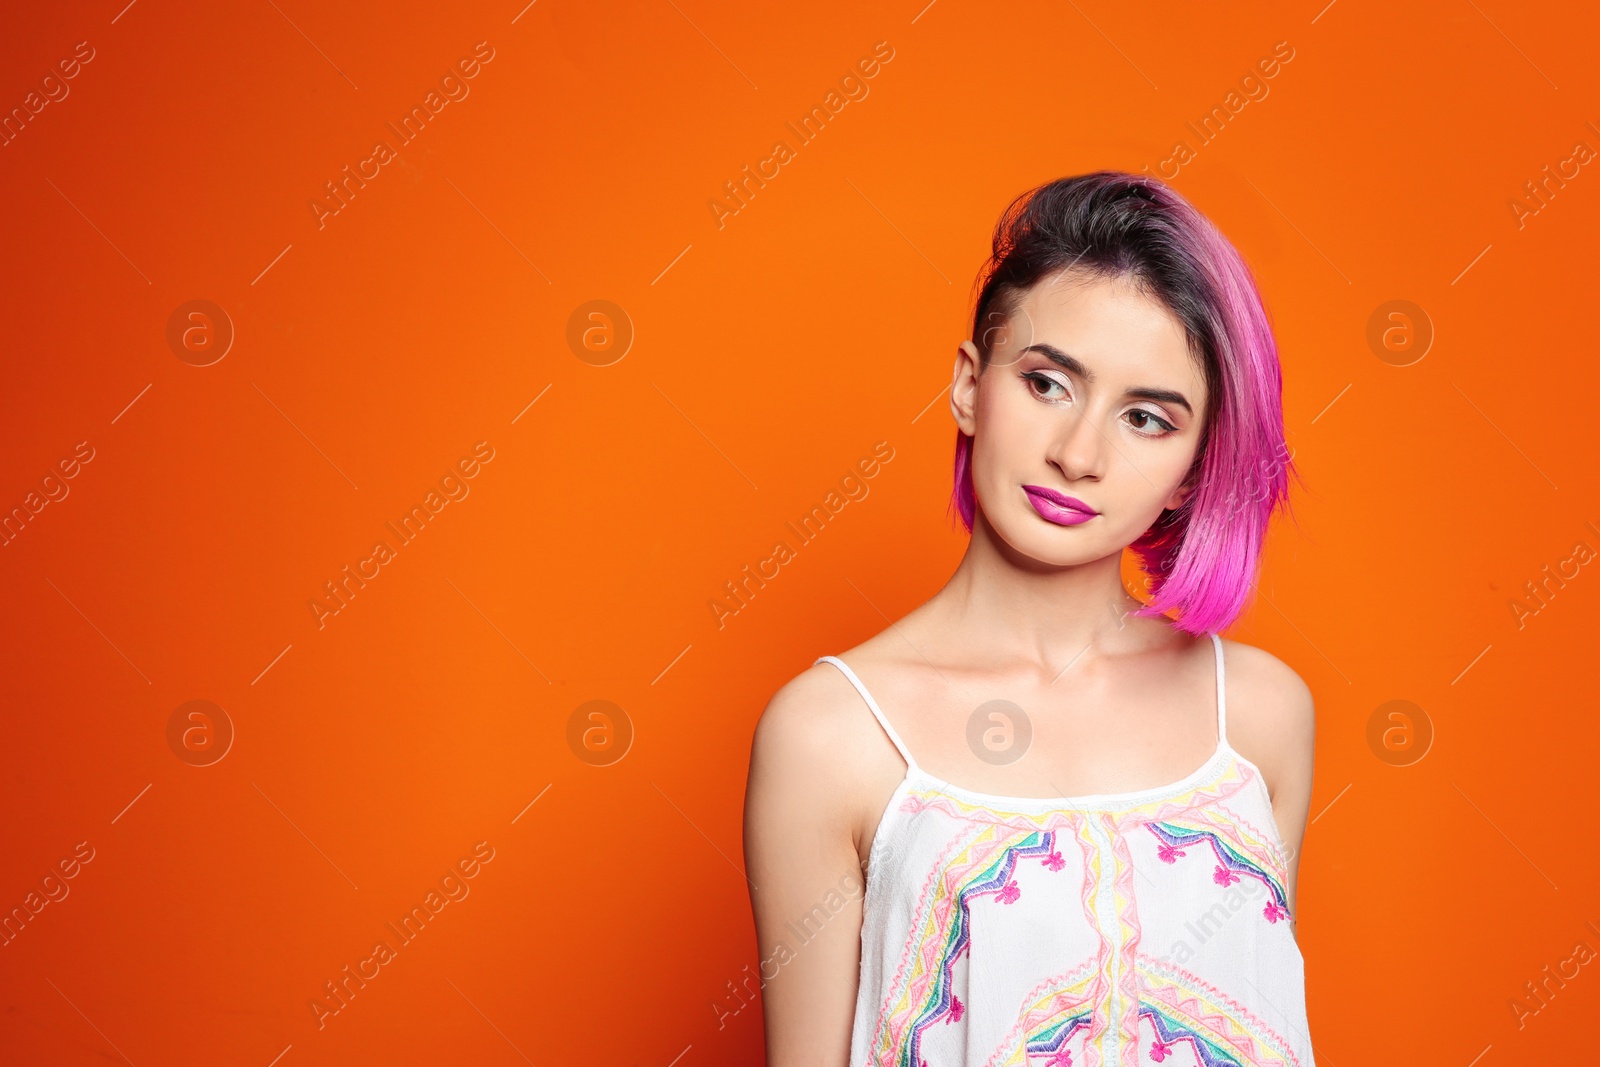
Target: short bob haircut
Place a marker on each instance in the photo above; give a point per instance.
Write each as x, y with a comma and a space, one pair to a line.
1201, 557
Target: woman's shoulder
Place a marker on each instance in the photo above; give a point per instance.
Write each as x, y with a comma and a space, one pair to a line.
807, 707
823, 692
1258, 676
1271, 712
817, 724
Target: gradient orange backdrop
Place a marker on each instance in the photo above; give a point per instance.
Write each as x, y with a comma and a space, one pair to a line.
375, 347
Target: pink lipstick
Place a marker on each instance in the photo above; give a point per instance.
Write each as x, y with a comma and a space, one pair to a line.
1057, 507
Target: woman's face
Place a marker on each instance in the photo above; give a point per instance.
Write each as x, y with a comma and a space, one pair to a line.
1090, 394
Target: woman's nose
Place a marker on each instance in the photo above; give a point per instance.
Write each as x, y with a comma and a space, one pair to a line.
1080, 448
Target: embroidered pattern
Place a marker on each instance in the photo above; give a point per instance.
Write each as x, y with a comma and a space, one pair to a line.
1118, 1005
1185, 1010
1233, 861
983, 870
1101, 931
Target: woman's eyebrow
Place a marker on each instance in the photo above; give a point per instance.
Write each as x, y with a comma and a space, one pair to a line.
1072, 364
1164, 395
1065, 361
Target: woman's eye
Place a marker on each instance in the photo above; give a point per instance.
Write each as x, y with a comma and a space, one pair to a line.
1150, 417
1041, 384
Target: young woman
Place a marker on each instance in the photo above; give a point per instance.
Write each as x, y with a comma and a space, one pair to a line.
1078, 813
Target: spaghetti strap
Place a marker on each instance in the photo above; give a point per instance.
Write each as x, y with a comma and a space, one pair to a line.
1222, 694
872, 705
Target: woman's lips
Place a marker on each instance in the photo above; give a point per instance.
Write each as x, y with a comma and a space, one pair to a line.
1057, 507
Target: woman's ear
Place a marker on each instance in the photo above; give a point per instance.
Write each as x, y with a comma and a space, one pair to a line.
964, 388
1179, 495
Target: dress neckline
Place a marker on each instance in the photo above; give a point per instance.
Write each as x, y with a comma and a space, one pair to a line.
1033, 807
1131, 798
1095, 801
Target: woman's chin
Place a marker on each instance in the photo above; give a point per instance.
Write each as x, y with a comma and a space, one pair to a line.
1051, 547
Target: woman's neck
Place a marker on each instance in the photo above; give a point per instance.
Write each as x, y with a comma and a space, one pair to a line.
1001, 605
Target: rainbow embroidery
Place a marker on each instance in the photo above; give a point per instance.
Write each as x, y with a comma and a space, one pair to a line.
1055, 1013
1232, 862
1170, 1033
1185, 1010
985, 868
1113, 1005
972, 956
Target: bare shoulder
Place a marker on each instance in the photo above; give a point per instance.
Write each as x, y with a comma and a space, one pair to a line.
812, 713
817, 735
1271, 714
1256, 674
819, 717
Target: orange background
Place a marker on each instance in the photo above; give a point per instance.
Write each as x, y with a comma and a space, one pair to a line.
770, 354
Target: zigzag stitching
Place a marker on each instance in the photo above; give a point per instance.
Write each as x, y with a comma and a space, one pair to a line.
1169, 992
884, 1038
1056, 990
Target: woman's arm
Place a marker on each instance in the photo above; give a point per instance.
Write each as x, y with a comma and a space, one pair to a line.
1275, 728
1291, 803
806, 882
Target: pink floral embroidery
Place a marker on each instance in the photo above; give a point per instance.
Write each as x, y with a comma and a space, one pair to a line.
1060, 1059
1273, 912
1160, 1051
1224, 877
1169, 854
1054, 861
1010, 893
957, 1009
